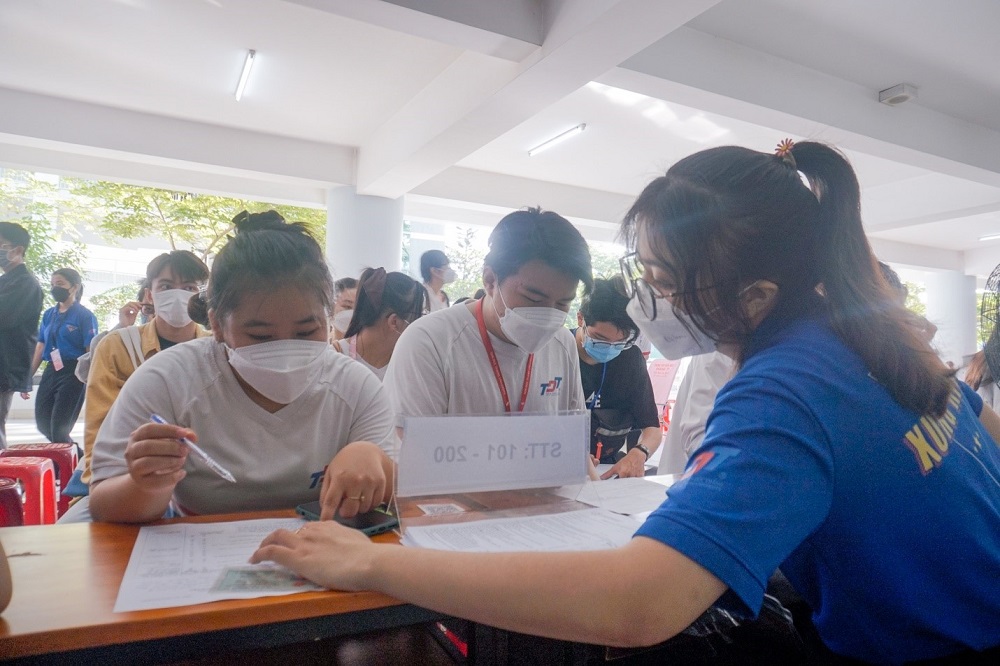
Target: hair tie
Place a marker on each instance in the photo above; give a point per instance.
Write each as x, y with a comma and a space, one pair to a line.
374, 286
784, 152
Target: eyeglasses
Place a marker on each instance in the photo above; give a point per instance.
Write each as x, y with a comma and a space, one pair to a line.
636, 286
621, 345
647, 295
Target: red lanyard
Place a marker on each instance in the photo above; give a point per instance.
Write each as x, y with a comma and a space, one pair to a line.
496, 364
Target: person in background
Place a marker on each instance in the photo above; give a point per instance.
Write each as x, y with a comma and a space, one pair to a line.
345, 291
843, 450
291, 420
173, 278
509, 351
386, 304
435, 268
616, 384
706, 375
64, 336
979, 375
20, 306
901, 293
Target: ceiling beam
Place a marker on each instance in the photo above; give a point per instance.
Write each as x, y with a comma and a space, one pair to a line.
716, 75
511, 30
470, 104
104, 133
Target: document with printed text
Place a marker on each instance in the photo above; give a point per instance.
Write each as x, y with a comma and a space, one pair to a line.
585, 529
194, 563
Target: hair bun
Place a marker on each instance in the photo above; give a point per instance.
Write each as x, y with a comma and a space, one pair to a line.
247, 221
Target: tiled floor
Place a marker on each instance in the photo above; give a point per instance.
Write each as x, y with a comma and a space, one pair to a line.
23, 431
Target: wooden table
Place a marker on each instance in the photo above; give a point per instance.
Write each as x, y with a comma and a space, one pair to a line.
66, 580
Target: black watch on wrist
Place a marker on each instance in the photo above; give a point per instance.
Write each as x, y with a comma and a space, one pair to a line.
643, 449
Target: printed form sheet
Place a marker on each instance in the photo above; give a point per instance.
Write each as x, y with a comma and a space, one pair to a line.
193, 563
586, 529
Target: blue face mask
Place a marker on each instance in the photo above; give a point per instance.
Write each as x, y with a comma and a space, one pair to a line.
602, 352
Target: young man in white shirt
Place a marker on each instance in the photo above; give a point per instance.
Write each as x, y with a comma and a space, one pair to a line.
509, 351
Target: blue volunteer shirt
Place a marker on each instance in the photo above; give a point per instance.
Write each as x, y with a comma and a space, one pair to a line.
70, 332
886, 522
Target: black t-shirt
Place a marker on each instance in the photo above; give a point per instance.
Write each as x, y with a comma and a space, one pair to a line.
164, 343
625, 401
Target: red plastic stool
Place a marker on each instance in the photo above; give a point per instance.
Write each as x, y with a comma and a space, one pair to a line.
11, 503
63, 457
38, 478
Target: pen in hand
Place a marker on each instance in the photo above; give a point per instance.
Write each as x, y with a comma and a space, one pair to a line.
198, 451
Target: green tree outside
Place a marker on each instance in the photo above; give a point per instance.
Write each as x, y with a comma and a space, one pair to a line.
32, 203
197, 222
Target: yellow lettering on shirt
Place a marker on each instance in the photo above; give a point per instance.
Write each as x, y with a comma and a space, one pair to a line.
927, 456
930, 438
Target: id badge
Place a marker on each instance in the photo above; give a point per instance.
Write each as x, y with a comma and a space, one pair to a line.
56, 359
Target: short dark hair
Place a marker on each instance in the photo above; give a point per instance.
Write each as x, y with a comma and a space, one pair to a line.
73, 277
343, 284
267, 253
17, 235
432, 259
607, 302
182, 263
381, 294
535, 234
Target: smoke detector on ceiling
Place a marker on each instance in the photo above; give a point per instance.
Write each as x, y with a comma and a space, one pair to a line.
898, 94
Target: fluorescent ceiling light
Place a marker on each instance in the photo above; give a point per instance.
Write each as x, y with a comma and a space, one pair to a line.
245, 75
990, 237
557, 139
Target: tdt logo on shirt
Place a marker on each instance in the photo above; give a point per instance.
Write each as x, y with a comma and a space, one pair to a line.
707, 460
551, 387
317, 478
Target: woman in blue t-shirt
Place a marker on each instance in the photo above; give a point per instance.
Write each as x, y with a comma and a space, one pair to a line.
63, 337
843, 450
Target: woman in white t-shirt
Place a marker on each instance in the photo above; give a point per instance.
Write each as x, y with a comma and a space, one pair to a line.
435, 268
265, 397
386, 304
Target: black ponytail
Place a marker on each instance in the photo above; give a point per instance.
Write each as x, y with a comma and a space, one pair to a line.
380, 294
727, 217
862, 305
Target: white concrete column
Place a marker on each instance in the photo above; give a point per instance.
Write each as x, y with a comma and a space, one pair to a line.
362, 231
951, 306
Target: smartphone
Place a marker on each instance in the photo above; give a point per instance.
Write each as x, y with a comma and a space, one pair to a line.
374, 522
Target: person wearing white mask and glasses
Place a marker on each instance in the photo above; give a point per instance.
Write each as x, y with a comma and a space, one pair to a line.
266, 397
172, 279
436, 270
510, 350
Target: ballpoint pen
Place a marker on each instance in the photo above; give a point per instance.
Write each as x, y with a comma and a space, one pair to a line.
198, 451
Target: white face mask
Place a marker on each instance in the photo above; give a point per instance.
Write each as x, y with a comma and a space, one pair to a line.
280, 370
172, 306
342, 320
529, 328
668, 332
449, 276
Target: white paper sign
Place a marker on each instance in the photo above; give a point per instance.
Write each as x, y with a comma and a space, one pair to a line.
459, 454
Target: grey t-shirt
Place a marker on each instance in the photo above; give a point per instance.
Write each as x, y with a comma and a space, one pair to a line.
278, 459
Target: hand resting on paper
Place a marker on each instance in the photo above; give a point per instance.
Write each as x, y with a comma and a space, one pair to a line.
632, 465
307, 552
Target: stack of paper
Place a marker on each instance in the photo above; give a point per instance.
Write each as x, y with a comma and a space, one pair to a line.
586, 529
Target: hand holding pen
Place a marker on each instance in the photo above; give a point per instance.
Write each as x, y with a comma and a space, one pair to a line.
156, 454
199, 452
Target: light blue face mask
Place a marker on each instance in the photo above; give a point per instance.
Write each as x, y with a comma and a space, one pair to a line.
602, 352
